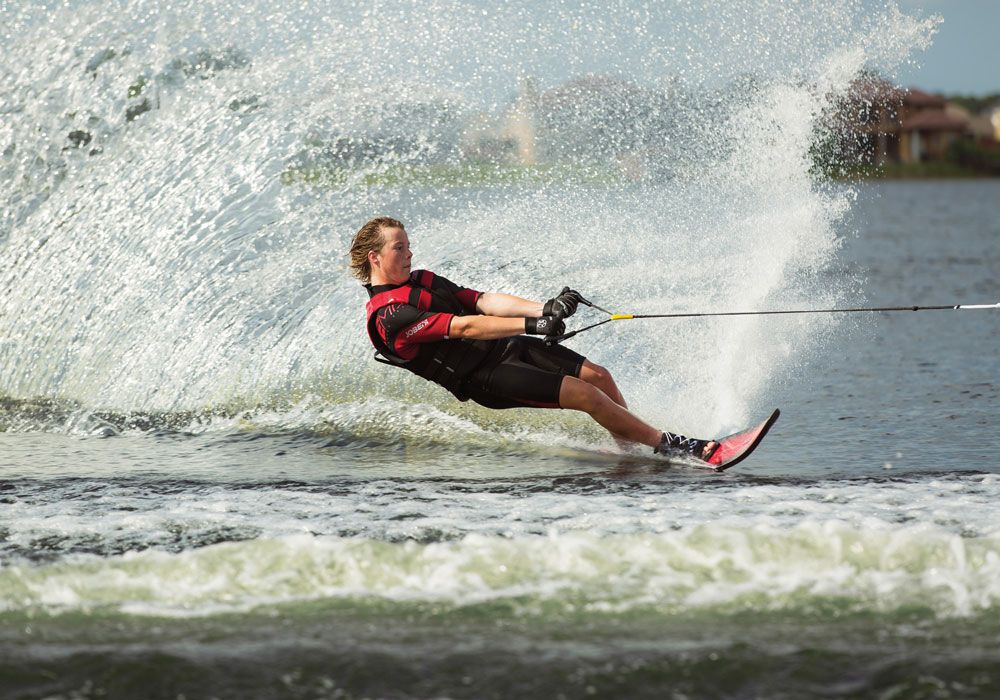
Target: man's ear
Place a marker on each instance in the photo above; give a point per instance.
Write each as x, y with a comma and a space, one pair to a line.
372, 257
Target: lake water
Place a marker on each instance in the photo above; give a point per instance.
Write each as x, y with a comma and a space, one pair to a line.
426, 552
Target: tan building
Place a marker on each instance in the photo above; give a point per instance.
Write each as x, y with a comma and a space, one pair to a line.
520, 124
994, 117
510, 138
980, 127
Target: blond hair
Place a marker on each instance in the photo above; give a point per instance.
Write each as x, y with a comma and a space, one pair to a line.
368, 238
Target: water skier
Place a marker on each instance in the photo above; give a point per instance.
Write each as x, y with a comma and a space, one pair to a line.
474, 344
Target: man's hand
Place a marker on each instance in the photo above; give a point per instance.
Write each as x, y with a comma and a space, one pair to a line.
564, 305
544, 325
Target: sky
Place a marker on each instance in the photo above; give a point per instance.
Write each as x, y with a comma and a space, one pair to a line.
965, 56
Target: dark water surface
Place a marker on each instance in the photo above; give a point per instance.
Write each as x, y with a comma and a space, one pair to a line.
916, 391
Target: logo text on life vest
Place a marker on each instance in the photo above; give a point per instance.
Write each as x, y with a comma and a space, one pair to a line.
416, 328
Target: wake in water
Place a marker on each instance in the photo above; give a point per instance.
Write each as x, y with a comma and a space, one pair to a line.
152, 547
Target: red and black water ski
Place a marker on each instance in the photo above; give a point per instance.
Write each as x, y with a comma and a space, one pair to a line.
734, 448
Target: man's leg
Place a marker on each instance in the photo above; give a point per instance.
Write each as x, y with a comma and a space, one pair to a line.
602, 379
580, 395
542, 377
559, 358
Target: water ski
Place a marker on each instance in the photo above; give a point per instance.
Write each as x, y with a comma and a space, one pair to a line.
734, 448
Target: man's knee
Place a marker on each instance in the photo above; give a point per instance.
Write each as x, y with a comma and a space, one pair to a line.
580, 395
598, 376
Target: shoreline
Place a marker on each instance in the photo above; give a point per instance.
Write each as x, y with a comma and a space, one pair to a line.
921, 171
471, 174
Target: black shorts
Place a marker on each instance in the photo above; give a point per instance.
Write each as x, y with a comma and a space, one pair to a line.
527, 374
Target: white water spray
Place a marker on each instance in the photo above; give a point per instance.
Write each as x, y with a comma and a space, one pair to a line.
157, 255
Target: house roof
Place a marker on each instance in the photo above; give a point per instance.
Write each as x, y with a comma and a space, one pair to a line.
932, 120
918, 98
882, 91
871, 89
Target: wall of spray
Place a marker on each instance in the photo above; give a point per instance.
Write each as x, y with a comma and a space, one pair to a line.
155, 255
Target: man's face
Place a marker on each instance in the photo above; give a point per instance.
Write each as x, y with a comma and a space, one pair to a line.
393, 260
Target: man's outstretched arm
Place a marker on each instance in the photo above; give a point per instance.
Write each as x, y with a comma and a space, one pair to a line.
492, 327
507, 306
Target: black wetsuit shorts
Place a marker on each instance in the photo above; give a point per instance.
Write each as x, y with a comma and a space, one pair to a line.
527, 373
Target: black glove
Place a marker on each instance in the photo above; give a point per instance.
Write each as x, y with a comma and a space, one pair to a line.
544, 325
564, 305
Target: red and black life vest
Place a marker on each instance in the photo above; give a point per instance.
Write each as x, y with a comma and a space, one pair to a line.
446, 362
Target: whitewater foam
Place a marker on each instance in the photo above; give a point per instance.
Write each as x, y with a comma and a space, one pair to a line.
718, 566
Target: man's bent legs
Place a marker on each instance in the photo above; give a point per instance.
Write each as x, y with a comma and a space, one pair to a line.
579, 395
